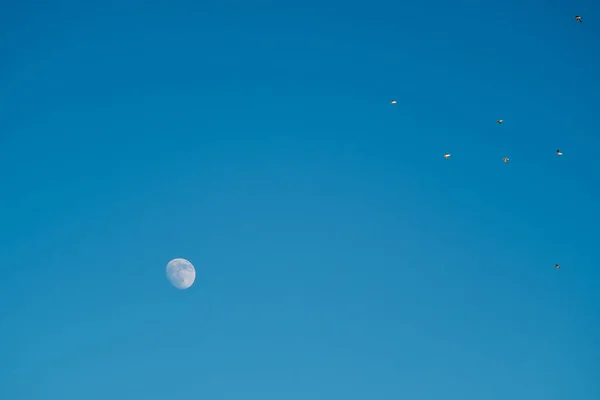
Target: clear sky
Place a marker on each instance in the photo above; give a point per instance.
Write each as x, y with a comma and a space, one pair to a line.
338, 254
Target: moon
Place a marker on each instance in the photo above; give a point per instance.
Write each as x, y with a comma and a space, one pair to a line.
181, 273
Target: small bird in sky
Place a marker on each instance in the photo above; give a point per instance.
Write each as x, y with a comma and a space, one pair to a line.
559, 153
578, 18
447, 155
557, 266
499, 121
506, 159
393, 102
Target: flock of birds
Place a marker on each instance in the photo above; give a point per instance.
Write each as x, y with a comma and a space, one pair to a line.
505, 159
499, 121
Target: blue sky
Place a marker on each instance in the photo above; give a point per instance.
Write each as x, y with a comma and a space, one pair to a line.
338, 254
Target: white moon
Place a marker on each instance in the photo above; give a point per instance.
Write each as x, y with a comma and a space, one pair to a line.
181, 273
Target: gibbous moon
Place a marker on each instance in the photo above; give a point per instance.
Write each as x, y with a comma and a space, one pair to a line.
181, 273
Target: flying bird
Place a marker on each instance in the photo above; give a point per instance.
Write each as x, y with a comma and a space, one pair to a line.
447, 155
578, 18
393, 102
499, 121
559, 153
557, 266
505, 159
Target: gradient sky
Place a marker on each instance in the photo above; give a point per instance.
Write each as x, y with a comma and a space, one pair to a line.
338, 254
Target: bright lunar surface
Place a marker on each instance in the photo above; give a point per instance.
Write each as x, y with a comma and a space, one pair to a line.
181, 273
